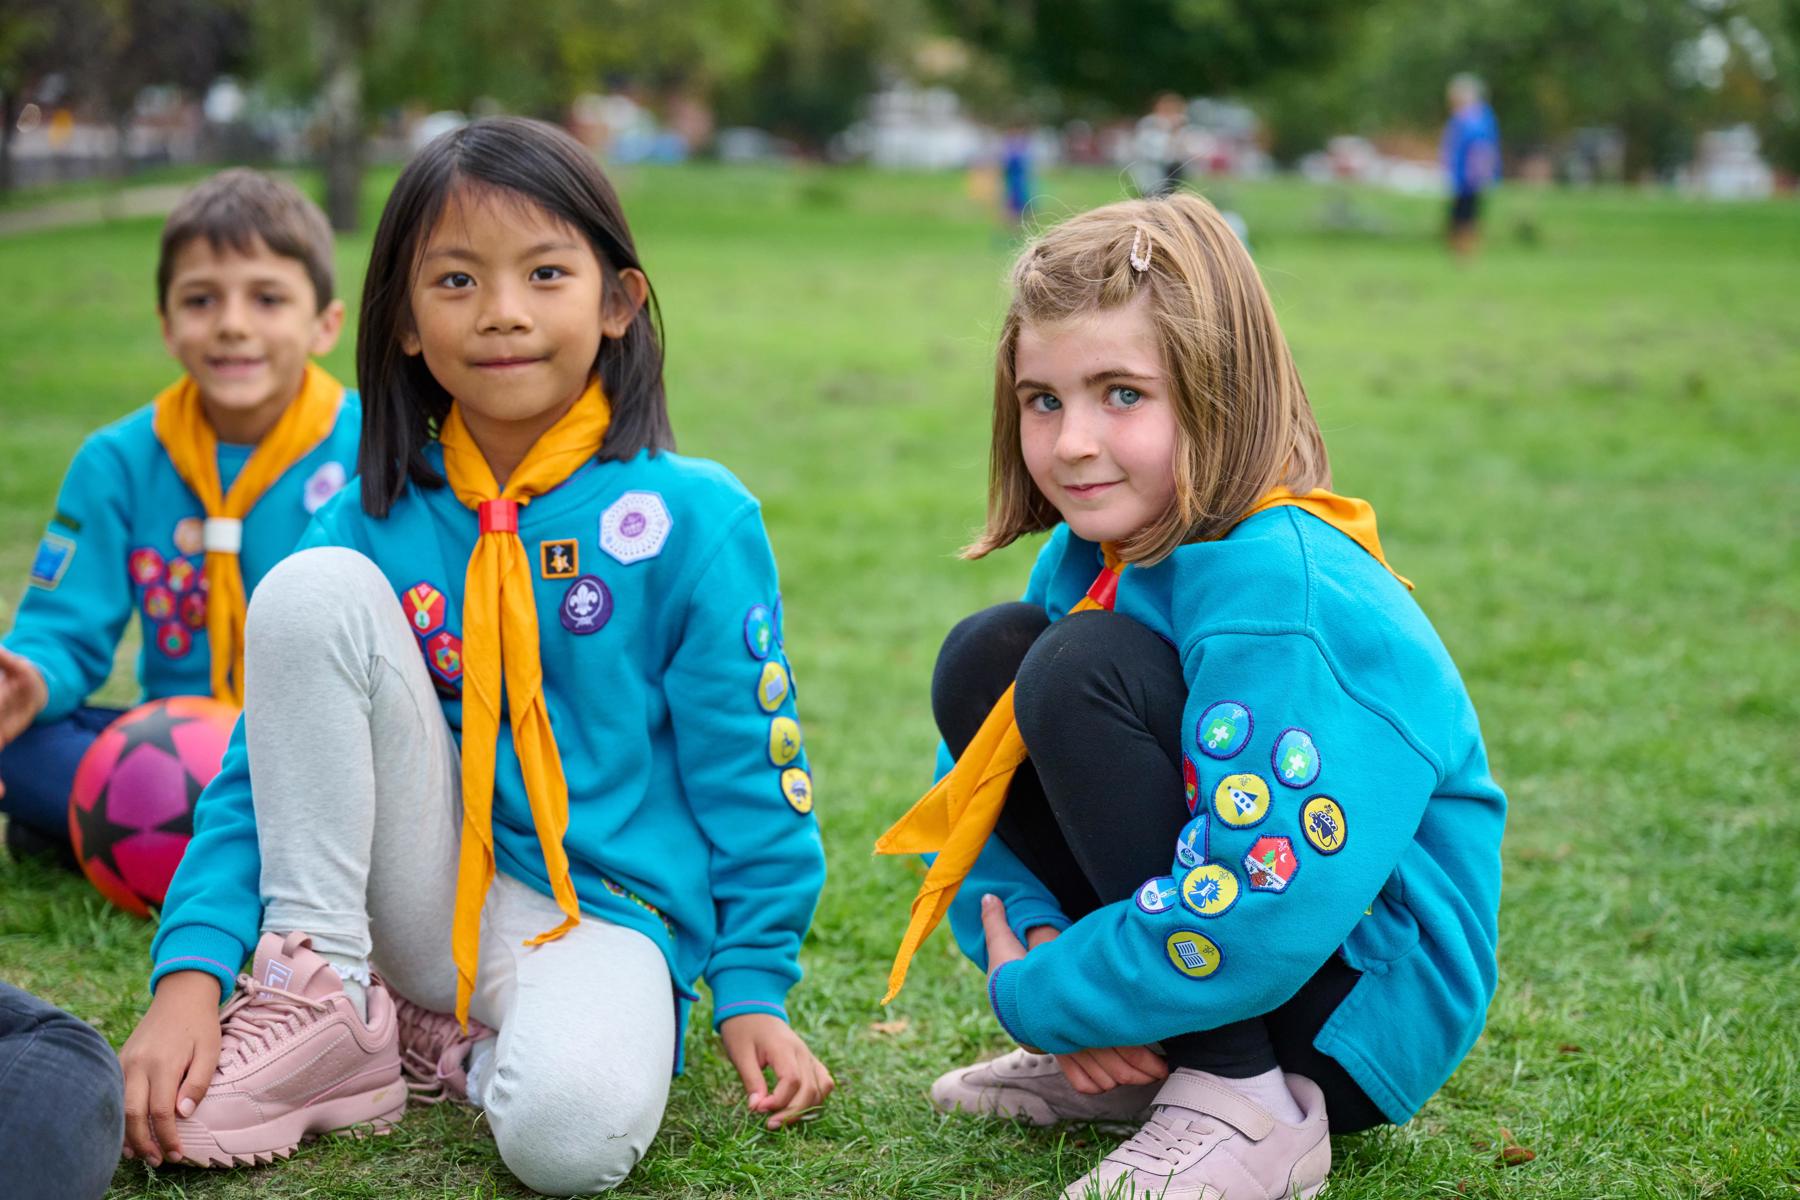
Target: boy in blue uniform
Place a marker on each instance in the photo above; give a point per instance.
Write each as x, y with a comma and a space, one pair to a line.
176, 511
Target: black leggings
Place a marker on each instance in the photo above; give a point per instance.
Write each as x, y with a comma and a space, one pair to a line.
1097, 806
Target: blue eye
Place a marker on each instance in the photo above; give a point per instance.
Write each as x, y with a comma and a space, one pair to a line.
1125, 397
547, 274
1043, 402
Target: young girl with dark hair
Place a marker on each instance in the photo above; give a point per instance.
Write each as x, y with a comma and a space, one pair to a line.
519, 740
1220, 827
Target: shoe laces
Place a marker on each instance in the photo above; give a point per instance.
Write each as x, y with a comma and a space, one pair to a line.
432, 1047
259, 1016
1165, 1141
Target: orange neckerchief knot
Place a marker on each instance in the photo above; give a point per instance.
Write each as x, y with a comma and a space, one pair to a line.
187, 436
956, 817
500, 646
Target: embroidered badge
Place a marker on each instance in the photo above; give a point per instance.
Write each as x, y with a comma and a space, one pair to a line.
1295, 759
193, 610
784, 740
52, 559
796, 787
173, 640
145, 566
1158, 894
1241, 800
1209, 889
189, 536
759, 631
1190, 782
559, 559
325, 483
635, 526
772, 687
1322, 823
1223, 729
1270, 864
182, 575
443, 654
159, 603
587, 606
1191, 842
424, 607
69, 523
1193, 953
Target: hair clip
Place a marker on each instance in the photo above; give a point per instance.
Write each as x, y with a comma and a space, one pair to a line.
1140, 265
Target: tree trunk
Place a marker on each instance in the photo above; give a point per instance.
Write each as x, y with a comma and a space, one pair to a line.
342, 43
7, 117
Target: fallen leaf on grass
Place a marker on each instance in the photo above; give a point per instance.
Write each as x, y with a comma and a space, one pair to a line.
1511, 1153
891, 1027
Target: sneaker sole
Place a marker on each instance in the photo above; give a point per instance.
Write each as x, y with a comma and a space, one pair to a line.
374, 1112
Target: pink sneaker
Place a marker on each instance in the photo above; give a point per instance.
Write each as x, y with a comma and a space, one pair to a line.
434, 1051
294, 1060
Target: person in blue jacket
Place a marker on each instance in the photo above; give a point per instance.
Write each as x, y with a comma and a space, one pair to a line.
1470, 150
520, 759
244, 287
1220, 825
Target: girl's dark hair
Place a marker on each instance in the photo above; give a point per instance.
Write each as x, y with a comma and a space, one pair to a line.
403, 404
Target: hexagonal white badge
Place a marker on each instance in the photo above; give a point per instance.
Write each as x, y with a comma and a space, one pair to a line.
635, 526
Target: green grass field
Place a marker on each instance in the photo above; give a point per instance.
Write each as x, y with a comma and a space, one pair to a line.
1583, 450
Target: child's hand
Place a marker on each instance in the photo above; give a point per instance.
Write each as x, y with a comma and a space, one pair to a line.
757, 1040
168, 1062
23, 695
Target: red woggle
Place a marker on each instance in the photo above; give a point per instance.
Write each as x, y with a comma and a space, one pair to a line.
499, 516
1105, 589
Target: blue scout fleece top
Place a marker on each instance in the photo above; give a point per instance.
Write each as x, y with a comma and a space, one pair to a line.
125, 538
1342, 804
673, 707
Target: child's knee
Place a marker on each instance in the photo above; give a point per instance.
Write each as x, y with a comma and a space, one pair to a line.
307, 589
1066, 662
564, 1137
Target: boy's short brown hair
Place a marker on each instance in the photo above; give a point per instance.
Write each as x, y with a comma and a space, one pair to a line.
235, 208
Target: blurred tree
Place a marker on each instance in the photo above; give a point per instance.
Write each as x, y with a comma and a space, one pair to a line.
27, 31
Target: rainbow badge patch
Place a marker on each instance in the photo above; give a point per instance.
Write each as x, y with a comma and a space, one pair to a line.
1241, 800
772, 687
182, 575
424, 607
796, 789
784, 740
193, 610
159, 603
1295, 760
443, 655
1322, 824
560, 559
1190, 782
1223, 729
145, 566
173, 640
53, 556
1209, 890
635, 526
1270, 864
1158, 894
1191, 843
1193, 954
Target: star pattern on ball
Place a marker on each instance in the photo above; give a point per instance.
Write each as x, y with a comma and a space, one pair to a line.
99, 835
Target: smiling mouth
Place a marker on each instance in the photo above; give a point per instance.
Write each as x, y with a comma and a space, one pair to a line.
1086, 491
506, 364
235, 365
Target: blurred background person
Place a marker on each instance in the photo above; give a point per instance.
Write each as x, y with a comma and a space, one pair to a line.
1471, 157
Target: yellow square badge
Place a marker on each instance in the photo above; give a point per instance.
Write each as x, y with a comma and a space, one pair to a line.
559, 559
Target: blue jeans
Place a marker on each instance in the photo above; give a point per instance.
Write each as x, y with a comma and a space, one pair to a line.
38, 768
62, 1102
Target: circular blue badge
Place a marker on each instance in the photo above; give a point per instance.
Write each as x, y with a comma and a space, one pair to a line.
1295, 759
1158, 894
1223, 729
759, 631
587, 605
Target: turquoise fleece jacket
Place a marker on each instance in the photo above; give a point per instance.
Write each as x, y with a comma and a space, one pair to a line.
1342, 804
124, 539
671, 698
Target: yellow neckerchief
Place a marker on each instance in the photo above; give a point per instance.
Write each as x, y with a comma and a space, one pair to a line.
193, 447
956, 817
500, 636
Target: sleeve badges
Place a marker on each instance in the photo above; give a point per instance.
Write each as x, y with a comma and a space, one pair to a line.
1192, 953
796, 789
54, 553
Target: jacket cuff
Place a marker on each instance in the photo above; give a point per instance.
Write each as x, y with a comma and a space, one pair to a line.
740, 990
1003, 995
199, 948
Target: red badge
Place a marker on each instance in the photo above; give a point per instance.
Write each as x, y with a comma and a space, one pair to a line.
183, 575
173, 640
145, 566
1190, 782
1270, 864
443, 654
193, 610
424, 607
159, 603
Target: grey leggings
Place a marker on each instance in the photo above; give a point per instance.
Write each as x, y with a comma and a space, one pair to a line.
358, 814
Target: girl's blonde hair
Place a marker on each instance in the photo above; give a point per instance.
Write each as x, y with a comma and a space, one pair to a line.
1243, 424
